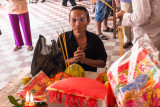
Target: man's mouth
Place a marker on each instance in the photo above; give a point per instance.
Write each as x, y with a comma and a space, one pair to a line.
78, 28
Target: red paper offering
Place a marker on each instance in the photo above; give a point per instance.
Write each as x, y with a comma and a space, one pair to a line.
77, 90
59, 76
36, 86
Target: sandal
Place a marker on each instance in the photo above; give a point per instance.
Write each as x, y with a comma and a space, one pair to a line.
16, 48
108, 29
30, 48
102, 37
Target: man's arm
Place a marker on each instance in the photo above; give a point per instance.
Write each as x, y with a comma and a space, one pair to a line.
90, 62
140, 15
79, 56
94, 63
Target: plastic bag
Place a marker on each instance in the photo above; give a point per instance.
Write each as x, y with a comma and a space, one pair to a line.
49, 59
133, 77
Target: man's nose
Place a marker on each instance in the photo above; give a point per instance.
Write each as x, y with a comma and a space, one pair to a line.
77, 22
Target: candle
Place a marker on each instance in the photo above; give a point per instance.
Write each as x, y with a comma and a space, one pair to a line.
29, 102
27, 97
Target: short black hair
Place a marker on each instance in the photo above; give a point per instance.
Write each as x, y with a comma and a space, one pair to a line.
80, 8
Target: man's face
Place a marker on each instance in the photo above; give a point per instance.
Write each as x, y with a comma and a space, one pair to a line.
78, 21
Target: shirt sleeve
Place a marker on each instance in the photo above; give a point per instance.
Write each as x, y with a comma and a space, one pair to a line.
140, 15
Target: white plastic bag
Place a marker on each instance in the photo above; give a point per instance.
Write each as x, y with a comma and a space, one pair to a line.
133, 76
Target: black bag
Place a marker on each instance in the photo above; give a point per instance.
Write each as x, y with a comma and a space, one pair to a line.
49, 59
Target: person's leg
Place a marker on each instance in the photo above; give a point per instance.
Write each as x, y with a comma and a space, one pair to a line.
104, 23
0, 32
105, 26
98, 27
64, 2
73, 3
99, 17
107, 11
127, 7
25, 23
16, 30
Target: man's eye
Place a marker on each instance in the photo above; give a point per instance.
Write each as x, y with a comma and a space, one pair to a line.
74, 20
81, 19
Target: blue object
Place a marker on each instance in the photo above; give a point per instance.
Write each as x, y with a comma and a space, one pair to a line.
137, 84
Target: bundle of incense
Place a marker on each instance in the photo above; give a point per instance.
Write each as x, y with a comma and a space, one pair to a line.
65, 49
62, 50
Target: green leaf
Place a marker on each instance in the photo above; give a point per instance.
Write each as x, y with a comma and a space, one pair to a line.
16, 105
13, 100
22, 105
18, 99
23, 101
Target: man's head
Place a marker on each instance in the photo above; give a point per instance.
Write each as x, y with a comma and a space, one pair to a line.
80, 8
79, 19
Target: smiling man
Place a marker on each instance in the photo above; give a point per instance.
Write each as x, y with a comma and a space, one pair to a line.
84, 48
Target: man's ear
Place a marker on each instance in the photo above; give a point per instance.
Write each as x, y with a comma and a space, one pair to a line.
69, 20
88, 21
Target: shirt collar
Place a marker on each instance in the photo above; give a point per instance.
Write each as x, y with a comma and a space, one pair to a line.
71, 35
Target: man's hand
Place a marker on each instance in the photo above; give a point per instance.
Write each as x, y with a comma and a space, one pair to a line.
117, 2
120, 14
79, 56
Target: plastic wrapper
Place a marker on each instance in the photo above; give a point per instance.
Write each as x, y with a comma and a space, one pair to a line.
134, 77
37, 86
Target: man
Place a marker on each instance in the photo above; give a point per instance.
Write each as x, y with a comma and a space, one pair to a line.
84, 47
126, 5
101, 17
144, 19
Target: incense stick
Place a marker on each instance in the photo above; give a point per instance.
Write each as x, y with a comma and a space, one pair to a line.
122, 41
65, 46
120, 35
62, 49
108, 5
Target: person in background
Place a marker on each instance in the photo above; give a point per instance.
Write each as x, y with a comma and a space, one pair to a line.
18, 12
101, 17
84, 48
64, 2
126, 5
144, 19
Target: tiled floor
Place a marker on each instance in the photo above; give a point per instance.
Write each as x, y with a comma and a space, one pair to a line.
45, 18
